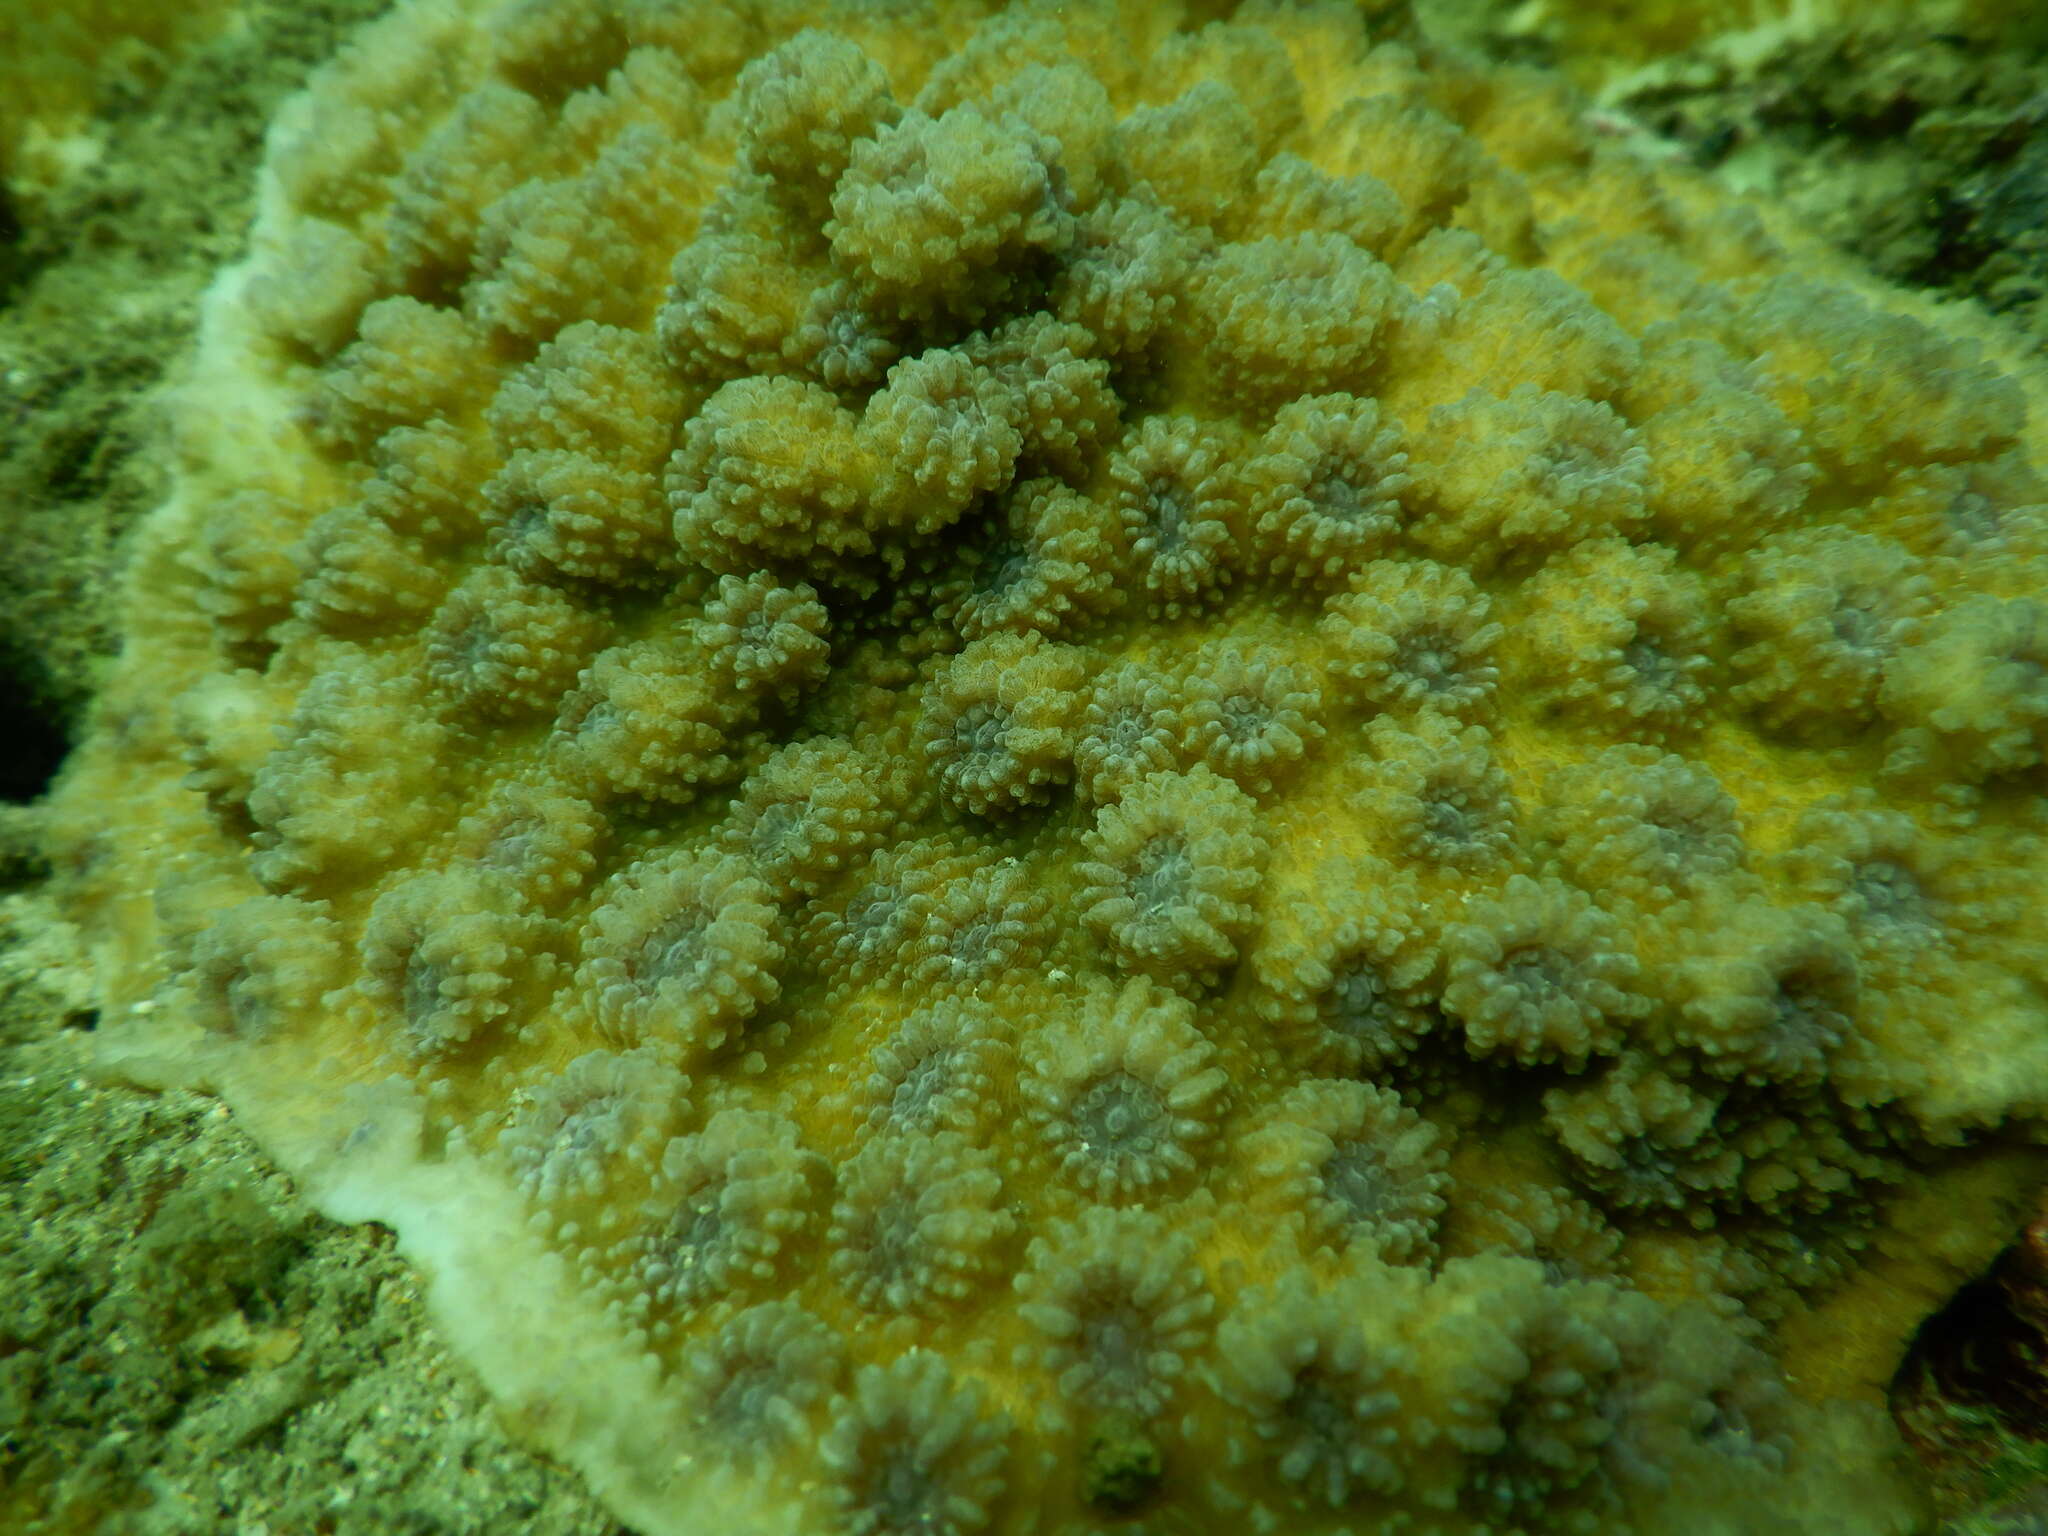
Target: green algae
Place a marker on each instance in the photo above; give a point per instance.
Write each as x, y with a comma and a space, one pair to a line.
100, 278
1916, 139
183, 1346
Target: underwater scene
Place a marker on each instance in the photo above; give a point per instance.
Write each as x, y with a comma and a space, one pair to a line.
1119, 767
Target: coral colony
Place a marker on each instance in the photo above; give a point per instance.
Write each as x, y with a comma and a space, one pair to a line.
1066, 771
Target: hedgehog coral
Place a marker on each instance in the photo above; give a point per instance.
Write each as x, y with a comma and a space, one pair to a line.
1326, 487
1180, 511
572, 1127
1643, 827
1565, 1234
1320, 1400
1345, 983
751, 1385
647, 720
439, 954
1770, 993
505, 646
1644, 1138
268, 960
863, 935
1170, 869
725, 1201
1533, 471
1970, 680
977, 930
1123, 1091
1357, 1163
1822, 611
806, 813
1556, 1415
1635, 655
680, 950
1052, 563
997, 727
1249, 715
912, 1449
915, 1223
1120, 1304
537, 834
1540, 972
759, 637
1435, 793
1412, 634
939, 1069
1131, 728
1337, 801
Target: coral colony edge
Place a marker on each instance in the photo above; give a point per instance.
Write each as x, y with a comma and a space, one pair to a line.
1082, 770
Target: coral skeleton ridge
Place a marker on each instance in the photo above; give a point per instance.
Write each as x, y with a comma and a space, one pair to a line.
1070, 769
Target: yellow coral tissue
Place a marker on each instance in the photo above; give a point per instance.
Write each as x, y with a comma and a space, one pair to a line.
1068, 769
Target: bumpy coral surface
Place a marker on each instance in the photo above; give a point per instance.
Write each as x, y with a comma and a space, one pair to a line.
1076, 770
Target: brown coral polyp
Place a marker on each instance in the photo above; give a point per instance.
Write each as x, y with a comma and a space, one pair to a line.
681, 951
1172, 868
